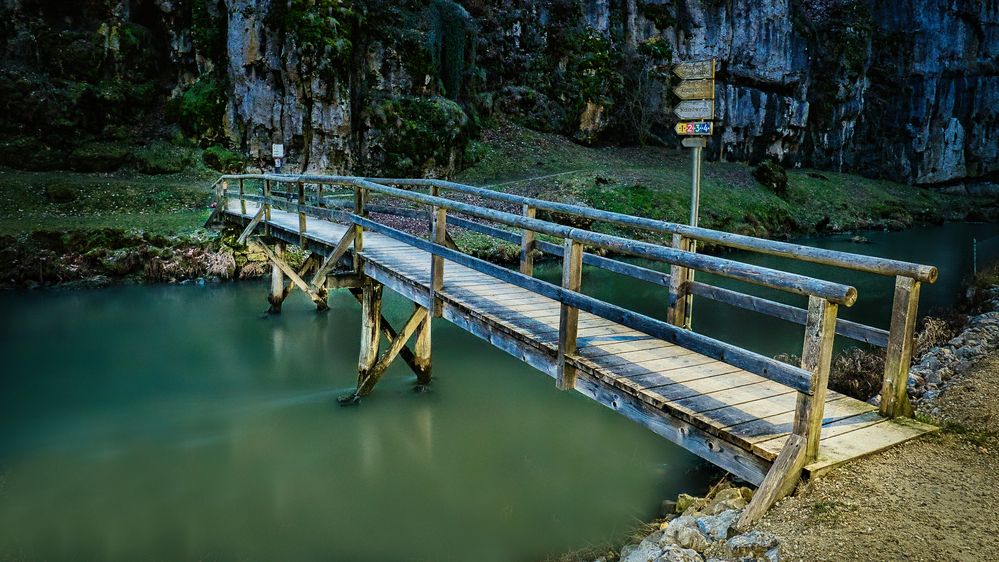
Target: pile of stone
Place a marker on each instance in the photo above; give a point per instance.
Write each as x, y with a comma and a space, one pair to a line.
703, 530
933, 373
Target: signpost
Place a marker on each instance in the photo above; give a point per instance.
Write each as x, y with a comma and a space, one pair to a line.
697, 112
277, 152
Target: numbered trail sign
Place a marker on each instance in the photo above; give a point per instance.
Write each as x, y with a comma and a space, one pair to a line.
695, 109
694, 128
695, 70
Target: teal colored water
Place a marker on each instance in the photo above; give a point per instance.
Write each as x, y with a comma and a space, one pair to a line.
176, 423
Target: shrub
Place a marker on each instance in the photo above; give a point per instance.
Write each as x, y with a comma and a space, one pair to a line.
98, 157
27, 153
161, 157
773, 177
199, 109
222, 159
420, 133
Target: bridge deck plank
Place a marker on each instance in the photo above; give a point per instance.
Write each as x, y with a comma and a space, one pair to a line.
737, 406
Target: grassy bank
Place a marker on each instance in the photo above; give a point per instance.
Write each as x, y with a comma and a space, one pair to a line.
655, 182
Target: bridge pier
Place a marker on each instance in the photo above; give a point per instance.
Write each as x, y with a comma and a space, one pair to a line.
276, 298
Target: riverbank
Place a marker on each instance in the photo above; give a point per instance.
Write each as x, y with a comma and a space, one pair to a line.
930, 499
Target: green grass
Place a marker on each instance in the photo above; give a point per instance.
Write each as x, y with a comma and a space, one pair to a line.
169, 204
655, 182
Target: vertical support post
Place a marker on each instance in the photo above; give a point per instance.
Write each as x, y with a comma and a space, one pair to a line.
695, 182
898, 356
277, 282
223, 200
371, 327
681, 299
242, 197
816, 357
438, 230
359, 210
422, 353
267, 207
568, 322
319, 195
301, 214
527, 244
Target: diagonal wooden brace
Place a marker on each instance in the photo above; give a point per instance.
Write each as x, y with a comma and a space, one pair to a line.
366, 380
310, 263
291, 274
249, 228
319, 279
390, 336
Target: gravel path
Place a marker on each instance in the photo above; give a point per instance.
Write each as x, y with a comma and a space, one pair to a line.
933, 499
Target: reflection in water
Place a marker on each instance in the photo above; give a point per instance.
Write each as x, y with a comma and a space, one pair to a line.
175, 423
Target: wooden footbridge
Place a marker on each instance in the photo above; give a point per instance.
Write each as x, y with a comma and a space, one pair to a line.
763, 420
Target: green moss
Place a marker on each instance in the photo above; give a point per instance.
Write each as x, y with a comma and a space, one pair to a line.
419, 133
222, 159
29, 153
161, 157
661, 15
656, 49
199, 109
99, 157
321, 31
772, 176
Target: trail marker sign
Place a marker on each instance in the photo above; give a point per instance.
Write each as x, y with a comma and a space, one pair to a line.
695, 89
695, 70
695, 109
701, 128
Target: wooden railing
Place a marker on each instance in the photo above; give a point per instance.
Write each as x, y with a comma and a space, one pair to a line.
318, 196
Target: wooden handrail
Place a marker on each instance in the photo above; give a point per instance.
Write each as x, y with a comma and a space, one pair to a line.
789, 282
846, 260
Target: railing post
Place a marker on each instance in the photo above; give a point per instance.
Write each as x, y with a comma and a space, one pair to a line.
319, 195
242, 197
568, 322
438, 231
359, 210
527, 244
898, 356
301, 214
816, 357
267, 207
680, 297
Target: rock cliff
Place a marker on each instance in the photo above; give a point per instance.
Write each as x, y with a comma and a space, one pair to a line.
904, 89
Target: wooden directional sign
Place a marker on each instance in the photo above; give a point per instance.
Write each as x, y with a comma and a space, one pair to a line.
694, 128
696, 70
695, 109
695, 89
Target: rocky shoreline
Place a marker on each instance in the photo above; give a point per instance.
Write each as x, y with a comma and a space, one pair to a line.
101, 257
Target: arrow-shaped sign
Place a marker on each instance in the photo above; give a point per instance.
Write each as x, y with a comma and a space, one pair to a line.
695, 90
701, 69
695, 109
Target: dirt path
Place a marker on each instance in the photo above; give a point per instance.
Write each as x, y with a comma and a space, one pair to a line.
933, 499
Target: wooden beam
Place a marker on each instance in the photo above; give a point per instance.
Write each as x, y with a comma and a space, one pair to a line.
318, 280
422, 363
242, 201
281, 267
361, 211
302, 224
308, 265
894, 385
250, 227
568, 324
780, 481
438, 230
374, 373
680, 299
390, 334
816, 357
267, 207
371, 320
527, 244
277, 279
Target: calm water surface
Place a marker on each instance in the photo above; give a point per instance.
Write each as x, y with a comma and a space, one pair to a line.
174, 423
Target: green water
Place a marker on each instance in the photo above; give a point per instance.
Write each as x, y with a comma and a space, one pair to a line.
175, 423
